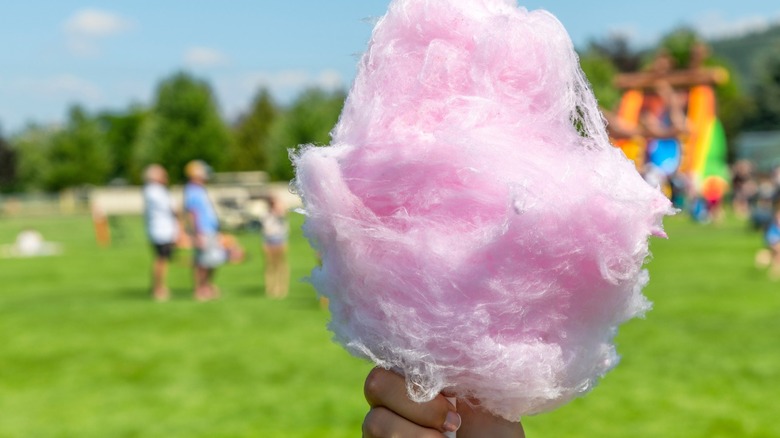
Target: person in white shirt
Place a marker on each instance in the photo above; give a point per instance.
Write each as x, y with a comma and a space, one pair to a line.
162, 226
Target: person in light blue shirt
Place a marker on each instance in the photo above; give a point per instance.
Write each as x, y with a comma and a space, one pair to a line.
204, 228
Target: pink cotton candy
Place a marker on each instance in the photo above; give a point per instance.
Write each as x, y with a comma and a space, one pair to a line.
478, 232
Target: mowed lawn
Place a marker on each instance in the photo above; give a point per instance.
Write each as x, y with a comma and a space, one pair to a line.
85, 353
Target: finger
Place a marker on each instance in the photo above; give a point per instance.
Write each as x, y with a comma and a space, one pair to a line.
383, 423
387, 389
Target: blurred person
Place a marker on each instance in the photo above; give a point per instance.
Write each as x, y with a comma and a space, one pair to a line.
743, 187
663, 123
679, 186
275, 233
775, 176
761, 203
162, 227
101, 225
769, 257
203, 225
662, 115
713, 191
392, 413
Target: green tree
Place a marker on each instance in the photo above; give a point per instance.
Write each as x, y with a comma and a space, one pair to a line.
734, 106
7, 165
120, 130
601, 72
32, 147
617, 49
308, 120
251, 134
78, 153
678, 43
767, 90
184, 124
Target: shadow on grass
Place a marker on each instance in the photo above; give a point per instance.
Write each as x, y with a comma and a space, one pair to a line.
248, 291
143, 294
296, 301
131, 294
304, 302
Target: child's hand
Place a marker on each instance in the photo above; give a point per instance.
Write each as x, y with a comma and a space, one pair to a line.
393, 414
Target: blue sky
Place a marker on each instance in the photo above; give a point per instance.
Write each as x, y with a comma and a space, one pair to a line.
107, 54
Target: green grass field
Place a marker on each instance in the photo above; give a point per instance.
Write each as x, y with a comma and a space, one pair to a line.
85, 353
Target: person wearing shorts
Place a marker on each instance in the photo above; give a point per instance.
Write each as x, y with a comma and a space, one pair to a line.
162, 227
204, 227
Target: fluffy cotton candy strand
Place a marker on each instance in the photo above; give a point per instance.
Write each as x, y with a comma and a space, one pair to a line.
478, 232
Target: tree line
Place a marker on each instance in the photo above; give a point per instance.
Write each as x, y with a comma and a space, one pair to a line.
749, 101
183, 122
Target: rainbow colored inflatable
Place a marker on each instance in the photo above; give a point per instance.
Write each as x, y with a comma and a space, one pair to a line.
628, 113
704, 158
701, 155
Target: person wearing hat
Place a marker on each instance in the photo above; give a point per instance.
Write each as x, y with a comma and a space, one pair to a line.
204, 227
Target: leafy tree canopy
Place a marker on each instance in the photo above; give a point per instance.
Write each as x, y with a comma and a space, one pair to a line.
601, 72
78, 154
767, 90
308, 120
618, 50
7, 165
184, 125
120, 130
251, 134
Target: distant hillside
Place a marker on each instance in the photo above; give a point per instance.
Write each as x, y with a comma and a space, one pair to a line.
741, 52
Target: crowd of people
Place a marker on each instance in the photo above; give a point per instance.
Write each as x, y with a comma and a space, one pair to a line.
198, 227
756, 199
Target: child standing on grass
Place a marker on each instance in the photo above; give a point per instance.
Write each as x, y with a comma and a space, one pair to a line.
275, 233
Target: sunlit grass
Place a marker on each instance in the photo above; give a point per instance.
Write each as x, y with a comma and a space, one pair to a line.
703, 363
85, 353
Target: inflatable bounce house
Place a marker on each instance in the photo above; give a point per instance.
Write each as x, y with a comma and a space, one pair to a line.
667, 124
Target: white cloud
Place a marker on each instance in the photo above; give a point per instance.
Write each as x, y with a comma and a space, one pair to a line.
204, 57
330, 79
714, 25
85, 28
95, 23
58, 87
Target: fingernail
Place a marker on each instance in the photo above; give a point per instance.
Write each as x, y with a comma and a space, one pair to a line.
452, 422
